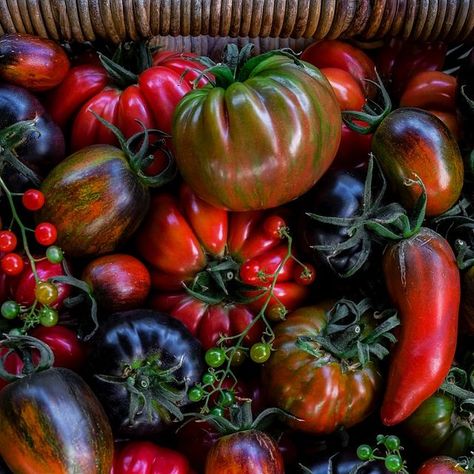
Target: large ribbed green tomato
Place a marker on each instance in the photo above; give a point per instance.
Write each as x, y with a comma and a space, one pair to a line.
260, 140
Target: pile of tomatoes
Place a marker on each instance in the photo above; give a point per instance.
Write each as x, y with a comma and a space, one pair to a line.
259, 265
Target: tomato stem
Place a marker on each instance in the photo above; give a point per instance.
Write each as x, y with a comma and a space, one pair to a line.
23, 229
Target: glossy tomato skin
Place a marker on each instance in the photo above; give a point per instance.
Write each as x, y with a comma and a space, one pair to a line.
39, 152
70, 435
440, 465
95, 201
38, 64
81, 84
245, 452
145, 457
423, 282
132, 337
323, 395
182, 237
151, 100
348, 91
214, 130
120, 282
342, 55
22, 287
411, 143
69, 352
433, 428
338, 194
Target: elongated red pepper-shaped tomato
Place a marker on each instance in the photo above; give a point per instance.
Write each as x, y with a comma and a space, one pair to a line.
424, 284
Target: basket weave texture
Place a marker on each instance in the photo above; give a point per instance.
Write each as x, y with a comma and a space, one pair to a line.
198, 24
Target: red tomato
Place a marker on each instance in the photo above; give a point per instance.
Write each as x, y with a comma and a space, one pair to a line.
430, 90
68, 351
22, 288
341, 55
423, 282
354, 148
415, 57
441, 465
144, 457
184, 239
348, 91
149, 98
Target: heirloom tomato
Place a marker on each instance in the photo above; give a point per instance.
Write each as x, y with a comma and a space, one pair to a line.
436, 429
141, 365
71, 434
38, 64
145, 457
341, 55
126, 99
423, 283
207, 264
260, 135
38, 146
119, 282
442, 465
411, 144
321, 389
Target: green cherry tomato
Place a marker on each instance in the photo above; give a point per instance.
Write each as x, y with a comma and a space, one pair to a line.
238, 358
195, 394
15, 332
392, 442
48, 317
46, 293
217, 411
208, 379
364, 452
380, 439
393, 463
260, 352
226, 398
10, 309
215, 357
54, 254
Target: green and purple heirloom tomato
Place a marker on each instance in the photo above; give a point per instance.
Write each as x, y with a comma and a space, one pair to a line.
259, 136
95, 200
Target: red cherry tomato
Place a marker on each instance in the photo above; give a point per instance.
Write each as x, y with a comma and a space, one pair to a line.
46, 233
145, 457
68, 351
33, 199
348, 91
8, 241
12, 264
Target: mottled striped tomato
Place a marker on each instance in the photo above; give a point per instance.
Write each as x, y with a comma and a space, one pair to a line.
259, 136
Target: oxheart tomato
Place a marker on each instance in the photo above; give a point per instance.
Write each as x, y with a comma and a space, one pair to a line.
342, 55
423, 282
145, 457
141, 365
320, 390
36, 435
216, 254
441, 465
39, 149
259, 140
245, 452
38, 64
411, 144
148, 98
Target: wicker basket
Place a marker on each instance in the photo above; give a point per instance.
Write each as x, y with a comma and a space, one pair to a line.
204, 26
